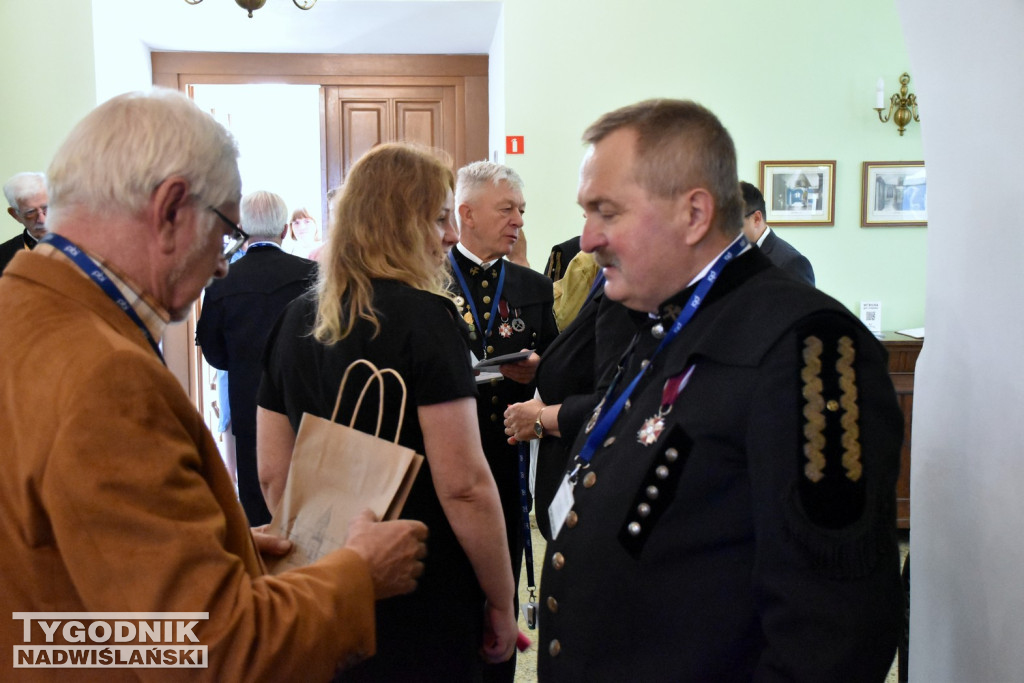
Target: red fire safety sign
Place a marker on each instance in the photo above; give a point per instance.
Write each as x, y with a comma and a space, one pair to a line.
514, 144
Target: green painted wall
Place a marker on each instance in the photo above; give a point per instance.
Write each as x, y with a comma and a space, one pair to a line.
48, 82
791, 80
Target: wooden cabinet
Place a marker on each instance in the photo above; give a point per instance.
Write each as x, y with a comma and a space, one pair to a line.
903, 353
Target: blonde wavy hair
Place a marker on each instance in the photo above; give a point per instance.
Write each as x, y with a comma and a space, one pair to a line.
384, 225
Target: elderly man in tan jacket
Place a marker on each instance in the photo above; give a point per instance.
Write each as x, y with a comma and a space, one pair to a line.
113, 497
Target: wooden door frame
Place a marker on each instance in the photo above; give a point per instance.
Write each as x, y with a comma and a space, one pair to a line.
179, 70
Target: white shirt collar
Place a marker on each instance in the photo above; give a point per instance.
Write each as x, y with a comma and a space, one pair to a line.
473, 257
764, 235
704, 271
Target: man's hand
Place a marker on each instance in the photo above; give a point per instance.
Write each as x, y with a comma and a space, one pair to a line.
267, 544
523, 371
394, 550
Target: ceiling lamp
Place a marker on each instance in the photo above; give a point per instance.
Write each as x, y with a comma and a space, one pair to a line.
252, 5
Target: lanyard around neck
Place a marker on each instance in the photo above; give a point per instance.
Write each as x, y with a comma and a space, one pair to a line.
604, 424
96, 274
472, 304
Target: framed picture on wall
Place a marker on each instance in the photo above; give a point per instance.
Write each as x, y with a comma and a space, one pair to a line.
799, 192
893, 193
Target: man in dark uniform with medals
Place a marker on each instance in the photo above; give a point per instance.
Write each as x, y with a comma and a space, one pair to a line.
28, 200
729, 511
508, 309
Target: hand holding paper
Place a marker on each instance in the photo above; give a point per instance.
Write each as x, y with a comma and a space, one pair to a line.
394, 550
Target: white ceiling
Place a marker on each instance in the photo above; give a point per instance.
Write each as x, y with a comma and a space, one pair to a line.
331, 26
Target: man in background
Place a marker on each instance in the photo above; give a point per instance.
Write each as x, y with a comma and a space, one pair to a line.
28, 202
238, 313
114, 497
508, 309
779, 251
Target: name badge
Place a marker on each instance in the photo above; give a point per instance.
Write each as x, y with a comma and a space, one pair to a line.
559, 509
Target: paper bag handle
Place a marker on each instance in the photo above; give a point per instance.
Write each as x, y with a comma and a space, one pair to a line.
378, 375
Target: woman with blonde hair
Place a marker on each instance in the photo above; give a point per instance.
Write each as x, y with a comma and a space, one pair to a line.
380, 297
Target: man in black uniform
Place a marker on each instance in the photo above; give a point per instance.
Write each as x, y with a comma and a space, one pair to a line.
238, 313
729, 514
28, 201
508, 309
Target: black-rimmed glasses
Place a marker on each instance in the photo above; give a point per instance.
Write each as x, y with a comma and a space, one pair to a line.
233, 241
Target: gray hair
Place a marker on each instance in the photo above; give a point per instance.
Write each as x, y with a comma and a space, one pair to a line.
123, 149
23, 185
473, 176
264, 214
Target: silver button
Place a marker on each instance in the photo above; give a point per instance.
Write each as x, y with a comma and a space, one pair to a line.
671, 454
589, 480
643, 509
609, 441
554, 647
658, 331
652, 492
634, 528
552, 605
661, 472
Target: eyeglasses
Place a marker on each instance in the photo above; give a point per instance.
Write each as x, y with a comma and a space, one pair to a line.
748, 215
233, 241
34, 214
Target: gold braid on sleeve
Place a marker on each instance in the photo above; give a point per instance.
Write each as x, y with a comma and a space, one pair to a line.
813, 410
851, 413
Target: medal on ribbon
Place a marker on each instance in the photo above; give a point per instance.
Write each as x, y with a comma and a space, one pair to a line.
653, 426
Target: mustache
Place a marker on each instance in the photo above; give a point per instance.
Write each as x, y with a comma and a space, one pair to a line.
604, 260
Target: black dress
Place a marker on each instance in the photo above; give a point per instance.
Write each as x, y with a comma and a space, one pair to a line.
435, 632
573, 373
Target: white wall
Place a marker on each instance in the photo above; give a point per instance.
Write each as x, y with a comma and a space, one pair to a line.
967, 504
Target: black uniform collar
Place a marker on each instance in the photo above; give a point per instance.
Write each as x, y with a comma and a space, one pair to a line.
744, 266
471, 268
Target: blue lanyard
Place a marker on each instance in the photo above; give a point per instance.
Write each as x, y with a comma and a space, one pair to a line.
469, 298
604, 425
524, 515
598, 282
96, 274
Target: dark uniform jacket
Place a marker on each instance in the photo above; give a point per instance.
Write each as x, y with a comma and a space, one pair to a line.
12, 246
529, 297
560, 256
754, 538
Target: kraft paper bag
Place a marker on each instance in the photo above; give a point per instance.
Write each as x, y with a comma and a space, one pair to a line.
336, 471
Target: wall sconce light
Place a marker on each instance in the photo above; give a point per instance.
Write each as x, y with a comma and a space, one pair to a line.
902, 106
251, 5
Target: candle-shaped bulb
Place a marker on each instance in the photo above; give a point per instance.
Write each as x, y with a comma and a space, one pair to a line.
880, 94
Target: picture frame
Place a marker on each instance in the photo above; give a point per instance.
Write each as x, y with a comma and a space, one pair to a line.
893, 194
799, 192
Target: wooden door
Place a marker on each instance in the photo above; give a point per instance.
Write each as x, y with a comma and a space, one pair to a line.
356, 118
